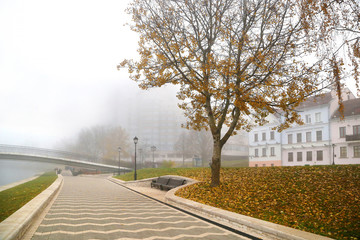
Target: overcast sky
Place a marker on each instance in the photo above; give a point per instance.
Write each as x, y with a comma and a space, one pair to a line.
58, 67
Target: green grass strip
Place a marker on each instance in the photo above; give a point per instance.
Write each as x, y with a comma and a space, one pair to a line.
157, 172
14, 198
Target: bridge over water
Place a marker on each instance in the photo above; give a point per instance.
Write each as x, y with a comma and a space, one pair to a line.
55, 156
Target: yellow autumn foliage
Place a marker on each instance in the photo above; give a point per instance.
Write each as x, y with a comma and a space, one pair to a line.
321, 199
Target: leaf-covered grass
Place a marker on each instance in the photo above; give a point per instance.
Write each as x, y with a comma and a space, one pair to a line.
14, 198
320, 199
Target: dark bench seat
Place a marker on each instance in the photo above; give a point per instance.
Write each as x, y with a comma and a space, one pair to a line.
166, 183
157, 183
173, 183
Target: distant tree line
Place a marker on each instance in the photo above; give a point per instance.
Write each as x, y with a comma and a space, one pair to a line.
195, 144
101, 143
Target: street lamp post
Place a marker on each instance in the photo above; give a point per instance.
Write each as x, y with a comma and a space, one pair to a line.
333, 154
119, 149
135, 142
153, 149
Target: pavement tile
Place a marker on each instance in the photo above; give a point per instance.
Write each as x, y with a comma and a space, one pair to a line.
94, 208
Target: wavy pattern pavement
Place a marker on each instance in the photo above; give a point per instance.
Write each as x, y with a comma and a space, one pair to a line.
94, 208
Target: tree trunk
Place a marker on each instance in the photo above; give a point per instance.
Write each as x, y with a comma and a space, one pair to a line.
216, 162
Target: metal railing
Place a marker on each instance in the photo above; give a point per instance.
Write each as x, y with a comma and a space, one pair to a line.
65, 157
355, 137
46, 152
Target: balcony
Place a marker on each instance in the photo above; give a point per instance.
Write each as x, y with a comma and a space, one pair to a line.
352, 138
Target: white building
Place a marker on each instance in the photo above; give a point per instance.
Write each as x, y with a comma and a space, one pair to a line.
236, 148
310, 143
306, 144
345, 133
265, 144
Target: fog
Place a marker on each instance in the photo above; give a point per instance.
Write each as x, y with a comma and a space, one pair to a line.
58, 69
16, 170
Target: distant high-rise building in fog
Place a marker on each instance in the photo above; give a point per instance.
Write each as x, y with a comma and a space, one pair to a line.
156, 120
154, 117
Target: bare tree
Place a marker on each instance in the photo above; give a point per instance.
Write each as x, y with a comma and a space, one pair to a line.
182, 146
235, 58
102, 143
202, 145
196, 143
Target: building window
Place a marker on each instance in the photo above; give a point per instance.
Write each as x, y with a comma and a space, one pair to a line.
256, 137
356, 130
343, 152
272, 151
256, 152
318, 135
264, 165
319, 155
272, 165
290, 139
308, 118
299, 156
263, 136
342, 132
309, 156
264, 152
256, 165
357, 151
318, 117
308, 136
298, 138
272, 135
290, 157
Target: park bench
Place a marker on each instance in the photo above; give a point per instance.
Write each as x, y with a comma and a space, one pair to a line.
165, 183
157, 183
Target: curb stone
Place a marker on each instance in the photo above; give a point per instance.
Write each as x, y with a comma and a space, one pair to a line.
146, 180
11, 185
15, 226
277, 230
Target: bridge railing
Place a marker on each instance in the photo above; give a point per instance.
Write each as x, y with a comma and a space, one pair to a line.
46, 152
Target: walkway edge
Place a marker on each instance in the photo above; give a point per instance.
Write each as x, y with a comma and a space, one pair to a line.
277, 230
15, 226
11, 185
189, 180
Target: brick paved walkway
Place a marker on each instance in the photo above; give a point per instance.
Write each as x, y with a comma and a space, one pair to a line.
95, 208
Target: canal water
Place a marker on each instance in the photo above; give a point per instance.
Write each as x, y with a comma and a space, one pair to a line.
16, 170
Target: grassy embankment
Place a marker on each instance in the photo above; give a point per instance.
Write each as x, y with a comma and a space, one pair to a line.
323, 200
14, 198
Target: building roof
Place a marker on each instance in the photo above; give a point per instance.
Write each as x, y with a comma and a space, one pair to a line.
316, 100
351, 107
